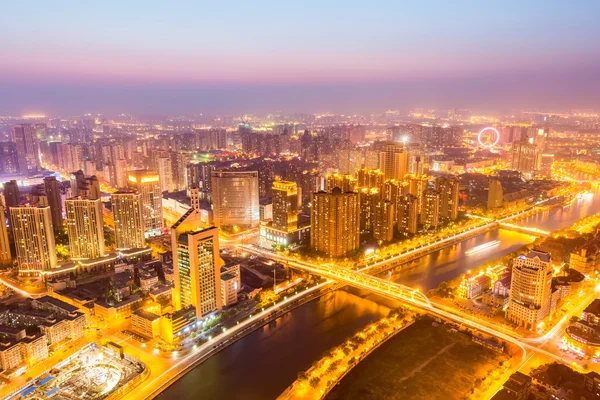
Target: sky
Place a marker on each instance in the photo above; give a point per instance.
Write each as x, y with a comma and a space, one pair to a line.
69, 57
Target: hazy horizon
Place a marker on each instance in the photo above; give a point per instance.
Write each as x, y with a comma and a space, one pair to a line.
145, 57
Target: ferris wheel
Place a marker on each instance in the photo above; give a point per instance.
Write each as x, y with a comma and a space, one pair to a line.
488, 137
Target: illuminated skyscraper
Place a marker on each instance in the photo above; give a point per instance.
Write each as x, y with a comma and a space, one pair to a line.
28, 152
235, 199
526, 157
345, 182
408, 214
11, 193
334, 220
349, 161
85, 227
393, 160
430, 215
77, 180
196, 265
383, 226
34, 239
530, 289
147, 184
285, 205
165, 172
495, 193
5, 257
9, 160
129, 219
52, 189
368, 199
370, 178
416, 186
449, 188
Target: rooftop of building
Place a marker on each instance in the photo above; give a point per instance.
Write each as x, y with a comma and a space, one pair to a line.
131, 299
57, 303
227, 277
542, 255
517, 381
146, 315
593, 308
134, 251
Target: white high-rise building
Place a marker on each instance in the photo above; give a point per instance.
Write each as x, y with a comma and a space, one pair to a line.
530, 289
196, 265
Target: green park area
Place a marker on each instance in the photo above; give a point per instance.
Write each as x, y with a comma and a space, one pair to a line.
422, 362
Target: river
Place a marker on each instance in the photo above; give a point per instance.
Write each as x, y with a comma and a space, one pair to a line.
261, 365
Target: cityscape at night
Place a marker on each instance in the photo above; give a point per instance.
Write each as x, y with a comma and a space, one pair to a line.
299, 201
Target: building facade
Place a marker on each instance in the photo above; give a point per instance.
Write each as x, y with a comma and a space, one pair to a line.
335, 225
128, 219
196, 266
34, 239
85, 228
530, 289
147, 184
235, 199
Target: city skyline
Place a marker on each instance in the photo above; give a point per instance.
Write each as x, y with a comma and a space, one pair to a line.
305, 58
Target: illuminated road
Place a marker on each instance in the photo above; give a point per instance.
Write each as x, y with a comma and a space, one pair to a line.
403, 293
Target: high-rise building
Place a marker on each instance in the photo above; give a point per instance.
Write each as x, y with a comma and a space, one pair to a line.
383, 226
416, 186
27, 144
77, 180
334, 219
85, 228
368, 199
530, 289
495, 193
449, 188
147, 184
349, 161
90, 189
526, 157
12, 197
5, 257
408, 214
345, 182
195, 197
418, 161
196, 265
285, 205
370, 178
165, 173
371, 159
129, 219
393, 160
9, 160
430, 215
52, 188
34, 239
235, 199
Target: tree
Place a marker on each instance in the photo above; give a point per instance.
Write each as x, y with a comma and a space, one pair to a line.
327, 354
314, 381
302, 376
